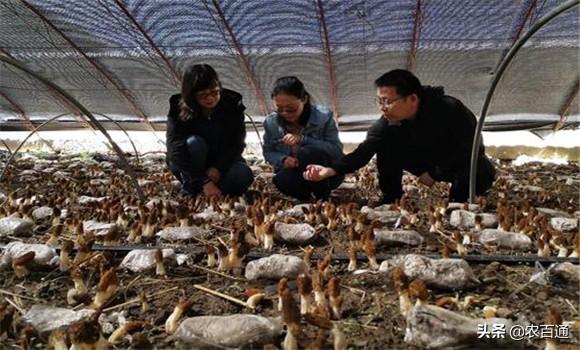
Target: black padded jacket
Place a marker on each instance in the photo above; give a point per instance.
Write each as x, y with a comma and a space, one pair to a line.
441, 133
223, 130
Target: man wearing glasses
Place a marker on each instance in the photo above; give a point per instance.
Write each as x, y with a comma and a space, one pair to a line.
421, 130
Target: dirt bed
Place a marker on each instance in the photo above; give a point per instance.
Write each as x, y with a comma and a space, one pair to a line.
370, 316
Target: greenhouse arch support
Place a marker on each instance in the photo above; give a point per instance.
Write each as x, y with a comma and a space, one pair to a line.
86, 112
32, 132
501, 69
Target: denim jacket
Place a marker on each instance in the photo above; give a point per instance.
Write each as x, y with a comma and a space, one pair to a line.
320, 131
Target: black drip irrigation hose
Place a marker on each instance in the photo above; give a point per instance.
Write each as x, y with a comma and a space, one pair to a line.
476, 259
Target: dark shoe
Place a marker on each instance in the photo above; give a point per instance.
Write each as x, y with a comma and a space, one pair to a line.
389, 200
188, 189
324, 194
184, 193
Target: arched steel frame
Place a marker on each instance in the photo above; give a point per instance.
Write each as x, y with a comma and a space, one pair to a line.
124, 163
501, 69
36, 129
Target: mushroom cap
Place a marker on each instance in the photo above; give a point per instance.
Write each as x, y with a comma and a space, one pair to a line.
23, 259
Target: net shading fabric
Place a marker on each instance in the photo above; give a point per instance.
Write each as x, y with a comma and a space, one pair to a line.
124, 58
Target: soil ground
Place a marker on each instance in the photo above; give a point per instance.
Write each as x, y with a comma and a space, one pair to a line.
370, 317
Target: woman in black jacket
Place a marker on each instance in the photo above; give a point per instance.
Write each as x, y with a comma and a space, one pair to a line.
205, 136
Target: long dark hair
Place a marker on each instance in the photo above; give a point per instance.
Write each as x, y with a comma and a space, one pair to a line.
292, 86
196, 78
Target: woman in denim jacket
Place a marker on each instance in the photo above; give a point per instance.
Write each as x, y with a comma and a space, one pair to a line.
297, 134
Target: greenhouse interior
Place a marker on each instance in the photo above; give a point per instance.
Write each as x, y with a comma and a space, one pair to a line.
289, 174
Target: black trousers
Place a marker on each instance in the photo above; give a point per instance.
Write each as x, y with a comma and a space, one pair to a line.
235, 181
397, 154
292, 183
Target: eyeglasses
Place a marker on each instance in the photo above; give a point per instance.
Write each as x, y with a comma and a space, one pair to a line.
288, 110
211, 93
383, 101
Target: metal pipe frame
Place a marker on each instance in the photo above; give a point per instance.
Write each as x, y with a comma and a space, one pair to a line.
36, 129
527, 17
124, 132
502, 67
328, 58
255, 128
24, 116
517, 32
32, 132
131, 32
59, 100
136, 109
13, 103
18, 109
411, 60
563, 111
6, 146
176, 77
243, 58
54, 95
124, 163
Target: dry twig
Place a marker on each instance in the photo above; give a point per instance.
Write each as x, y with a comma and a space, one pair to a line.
221, 295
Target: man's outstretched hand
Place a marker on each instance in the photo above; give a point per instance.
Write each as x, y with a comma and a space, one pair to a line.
315, 172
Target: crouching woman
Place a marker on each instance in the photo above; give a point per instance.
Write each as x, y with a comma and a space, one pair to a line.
299, 133
206, 136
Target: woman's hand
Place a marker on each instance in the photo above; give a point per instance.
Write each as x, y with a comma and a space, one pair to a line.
291, 139
290, 162
210, 189
426, 179
213, 174
316, 172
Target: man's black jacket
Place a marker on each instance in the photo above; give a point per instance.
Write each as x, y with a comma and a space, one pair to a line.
223, 130
441, 136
